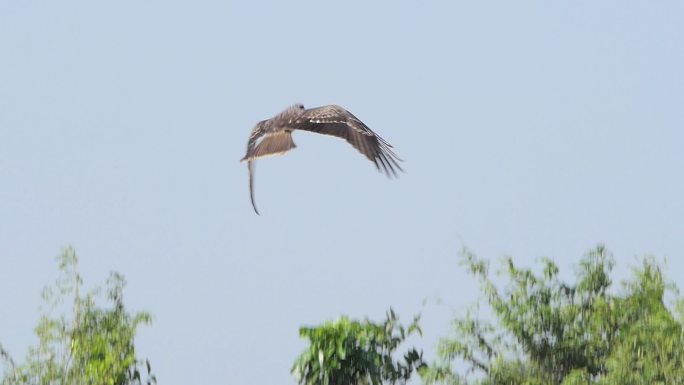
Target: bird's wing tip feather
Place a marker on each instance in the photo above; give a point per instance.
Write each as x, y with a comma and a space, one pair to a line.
250, 168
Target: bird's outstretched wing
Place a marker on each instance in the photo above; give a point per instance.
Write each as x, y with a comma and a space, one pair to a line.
276, 143
336, 121
250, 167
265, 141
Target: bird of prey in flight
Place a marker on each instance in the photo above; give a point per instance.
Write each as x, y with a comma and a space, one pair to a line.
274, 137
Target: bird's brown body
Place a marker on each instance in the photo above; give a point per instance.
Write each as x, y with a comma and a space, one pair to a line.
274, 137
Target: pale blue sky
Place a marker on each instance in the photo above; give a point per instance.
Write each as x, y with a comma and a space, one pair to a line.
529, 128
